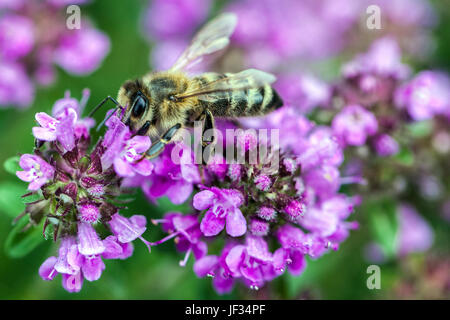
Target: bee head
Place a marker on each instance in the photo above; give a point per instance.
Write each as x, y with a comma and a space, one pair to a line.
137, 100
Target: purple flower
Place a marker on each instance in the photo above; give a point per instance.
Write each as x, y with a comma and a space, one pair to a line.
287, 120
129, 229
324, 180
89, 212
127, 164
263, 182
385, 145
81, 51
186, 231
47, 269
82, 260
293, 250
302, 29
259, 227
223, 208
65, 126
383, 59
267, 213
326, 219
247, 140
165, 54
414, 234
76, 188
217, 166
16, 87
64, 3
353, 124
216, 267
89, 244
174, 180
304, 92
59, 129
426, 95
252, 262
114, 249
175, 18
11, 4
125, 153
16, 36
294, 210
36, 171
234, 171
33, 38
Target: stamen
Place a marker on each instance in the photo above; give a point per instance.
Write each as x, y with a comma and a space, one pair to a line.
147, 243
170, 236
354, 179
186, 257
157, 221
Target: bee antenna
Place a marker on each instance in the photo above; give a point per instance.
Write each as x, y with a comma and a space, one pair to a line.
106, 119
100, 105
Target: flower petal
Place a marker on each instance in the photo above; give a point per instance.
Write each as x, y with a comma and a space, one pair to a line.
89, 242
47, 270
211, 225
125, 229
113, 249
72, 282
92, 268
298, 263
203, 200
144, 167
123, 168
44, 119
44, 134
205, 266
179, 192
236, 223
234, 258
140, 143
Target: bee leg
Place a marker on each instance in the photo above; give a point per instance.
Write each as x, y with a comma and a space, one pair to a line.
158, 147
208, 142
208, 124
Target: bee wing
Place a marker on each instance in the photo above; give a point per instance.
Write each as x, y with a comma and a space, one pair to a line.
250, 78
212, 37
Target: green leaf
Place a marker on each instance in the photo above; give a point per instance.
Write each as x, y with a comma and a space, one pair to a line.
383, 222
405, 157
421, 128
11, 165
19, 243
165, 205
10, 198
32, 197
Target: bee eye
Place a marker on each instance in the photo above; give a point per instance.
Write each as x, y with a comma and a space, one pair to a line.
139, 105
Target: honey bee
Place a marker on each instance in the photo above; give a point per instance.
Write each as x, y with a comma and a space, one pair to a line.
160, 103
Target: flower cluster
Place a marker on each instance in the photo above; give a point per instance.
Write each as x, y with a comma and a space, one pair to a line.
79, 190
271, 215
33, 38
384, 118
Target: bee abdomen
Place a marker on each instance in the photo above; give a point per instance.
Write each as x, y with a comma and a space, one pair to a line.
241, 103
262, 100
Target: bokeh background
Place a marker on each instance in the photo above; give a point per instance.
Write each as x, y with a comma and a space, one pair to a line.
338, 275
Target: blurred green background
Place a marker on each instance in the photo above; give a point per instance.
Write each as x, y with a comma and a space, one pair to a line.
338, 275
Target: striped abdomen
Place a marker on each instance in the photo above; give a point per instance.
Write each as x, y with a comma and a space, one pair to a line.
241, 103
